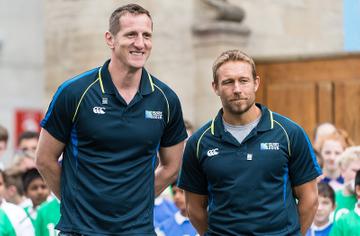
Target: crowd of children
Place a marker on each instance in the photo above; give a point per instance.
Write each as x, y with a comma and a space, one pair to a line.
27, 206
338, 200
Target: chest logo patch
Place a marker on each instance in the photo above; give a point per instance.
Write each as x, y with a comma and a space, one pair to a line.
154, 115
269, 146
99, 110
212, 152
104, 101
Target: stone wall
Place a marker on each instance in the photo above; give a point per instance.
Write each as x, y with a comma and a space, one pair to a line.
66, 38
21, 60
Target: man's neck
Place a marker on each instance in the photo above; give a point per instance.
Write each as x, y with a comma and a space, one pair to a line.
124, 76
249, 116
125, 79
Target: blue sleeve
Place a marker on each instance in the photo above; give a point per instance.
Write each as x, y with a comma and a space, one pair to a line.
303, 166
175, 130
192, 178
58, 118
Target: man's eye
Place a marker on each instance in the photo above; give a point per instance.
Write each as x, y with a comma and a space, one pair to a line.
132, 35
147, 36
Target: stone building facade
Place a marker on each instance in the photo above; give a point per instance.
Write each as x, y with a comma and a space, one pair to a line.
45, 42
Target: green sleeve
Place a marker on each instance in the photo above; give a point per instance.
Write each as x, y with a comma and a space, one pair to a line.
338, 228
6, 228
39, 225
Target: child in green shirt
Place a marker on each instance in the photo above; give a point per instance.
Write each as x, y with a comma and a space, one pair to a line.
349, 224
6, 228
47, 218
349, 163
36, 189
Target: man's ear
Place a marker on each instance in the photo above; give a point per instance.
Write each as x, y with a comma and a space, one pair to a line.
215, 87
257, 82
109, 39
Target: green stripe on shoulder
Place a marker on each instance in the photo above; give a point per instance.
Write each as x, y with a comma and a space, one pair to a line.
167, 102
287, 136
199, 141
81, 98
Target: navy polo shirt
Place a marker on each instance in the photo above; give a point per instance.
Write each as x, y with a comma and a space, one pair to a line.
249, 185
107, 179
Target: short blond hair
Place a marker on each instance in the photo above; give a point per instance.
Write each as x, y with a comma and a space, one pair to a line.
350, 155
232, 55
338, 135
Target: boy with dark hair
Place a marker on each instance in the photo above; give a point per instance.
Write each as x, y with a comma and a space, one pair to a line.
349, 224
322, 224
178, 224
36, 189
27, 142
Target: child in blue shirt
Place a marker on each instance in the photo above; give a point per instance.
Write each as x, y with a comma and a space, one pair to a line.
322, 224
178, 224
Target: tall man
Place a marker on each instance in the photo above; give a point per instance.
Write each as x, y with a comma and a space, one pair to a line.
109, 123
242, 170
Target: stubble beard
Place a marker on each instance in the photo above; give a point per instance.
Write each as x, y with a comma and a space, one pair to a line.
239, 110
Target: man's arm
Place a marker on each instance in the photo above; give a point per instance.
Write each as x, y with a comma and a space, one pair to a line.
169, 165
47, 154
196, 207
307, 194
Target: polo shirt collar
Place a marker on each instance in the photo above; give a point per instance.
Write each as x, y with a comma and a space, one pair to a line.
266, 121
180, 219
146, 82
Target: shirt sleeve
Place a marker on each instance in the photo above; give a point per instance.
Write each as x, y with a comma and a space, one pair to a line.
58, 118
303, 166
192, 178
175, 130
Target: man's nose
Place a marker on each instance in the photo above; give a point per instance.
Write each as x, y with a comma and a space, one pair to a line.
139, 42
237, 87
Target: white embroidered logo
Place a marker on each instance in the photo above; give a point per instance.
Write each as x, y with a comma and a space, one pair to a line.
269, 146
104, 101
213, 152
99, 110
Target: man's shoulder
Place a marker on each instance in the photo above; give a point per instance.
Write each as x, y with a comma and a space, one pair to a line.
162, 87
203, 132
286, 123
79, 82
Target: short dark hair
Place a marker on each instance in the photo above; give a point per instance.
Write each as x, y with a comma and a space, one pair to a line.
29, 176
28, 135
232, 55
357, 178
4, 135
325, 190
114, 21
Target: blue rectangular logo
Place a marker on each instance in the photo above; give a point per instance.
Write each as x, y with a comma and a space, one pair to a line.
269, 146
155, 115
